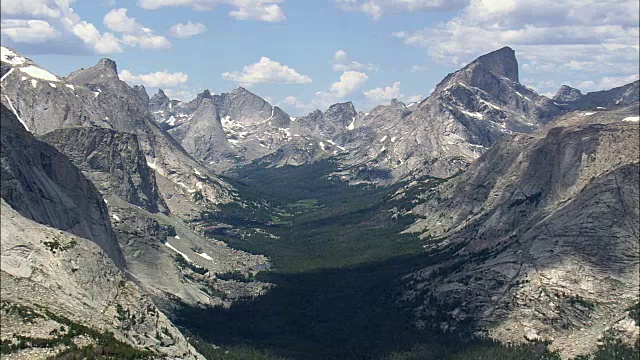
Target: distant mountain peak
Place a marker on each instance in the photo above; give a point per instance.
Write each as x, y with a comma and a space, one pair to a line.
240, 90
348, 106
205, 94
109, 65
567, 93
501, 62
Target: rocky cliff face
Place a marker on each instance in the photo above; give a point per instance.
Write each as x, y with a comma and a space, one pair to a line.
113, 161
203, 135
543, 232
62, 267
57, 287
43, 185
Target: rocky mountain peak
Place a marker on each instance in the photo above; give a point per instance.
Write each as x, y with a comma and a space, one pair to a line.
340, 114
396, 103
240, 90
141, 92
205, 94
567, 93
109, 65
345, 106
501, 62
104, 71
158, 101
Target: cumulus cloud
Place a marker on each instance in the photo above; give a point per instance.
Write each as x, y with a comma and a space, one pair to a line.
28, 31
349, 82
105, 43
53, 25
418, 68
376, 8
415, 98
118, 21
134, 34
384, 93
293, 102
36, 8
56, 27
266, 71
550, 36
182, 95
187, 30
158, 79
261, 10
341, 63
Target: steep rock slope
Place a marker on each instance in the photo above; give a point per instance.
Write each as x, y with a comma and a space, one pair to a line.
152, 240
113, 161
58, 286
66, 266
543, 229
41, 184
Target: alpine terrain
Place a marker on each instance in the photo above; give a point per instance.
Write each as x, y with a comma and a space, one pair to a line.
485, 221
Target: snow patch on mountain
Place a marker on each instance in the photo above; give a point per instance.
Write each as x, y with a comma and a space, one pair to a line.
39, 73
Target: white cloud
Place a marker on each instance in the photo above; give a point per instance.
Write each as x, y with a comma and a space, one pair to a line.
134, 34
118, 21
266, 71
262, 10
158, 79
292, 101
182, 95
70, 31
105, 43
609, 82
415, 98
187, 30
376, 8
153, 42
36, 8
386, 93
341, 63
72, 34
418, 68
28, 31
550, 36
349, 82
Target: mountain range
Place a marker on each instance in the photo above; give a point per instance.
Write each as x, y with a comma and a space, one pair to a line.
536, 203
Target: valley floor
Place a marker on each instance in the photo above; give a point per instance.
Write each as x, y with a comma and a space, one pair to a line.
338, 263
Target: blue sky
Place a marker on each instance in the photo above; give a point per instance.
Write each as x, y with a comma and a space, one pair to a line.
309, 54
